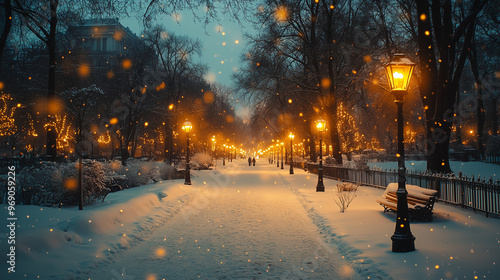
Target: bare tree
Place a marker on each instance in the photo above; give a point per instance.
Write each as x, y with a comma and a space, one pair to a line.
443, 47
79, 104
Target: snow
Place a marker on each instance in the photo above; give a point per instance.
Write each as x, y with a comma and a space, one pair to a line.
245, 222
471, 168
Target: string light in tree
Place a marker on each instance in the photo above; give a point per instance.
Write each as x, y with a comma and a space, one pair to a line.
63, 131
7, 125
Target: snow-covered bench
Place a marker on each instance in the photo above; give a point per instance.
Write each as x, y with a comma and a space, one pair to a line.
420, 201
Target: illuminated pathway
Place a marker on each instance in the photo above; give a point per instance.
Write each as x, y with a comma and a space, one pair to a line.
244, 223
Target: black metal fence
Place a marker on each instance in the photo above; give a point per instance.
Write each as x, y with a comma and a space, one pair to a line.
493, 158
477, 194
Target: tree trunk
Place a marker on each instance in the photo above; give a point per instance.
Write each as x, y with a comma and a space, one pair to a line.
332, 98
458, 122
438, 147
7, 26
80, 183
438, 85
51, 93
312, 149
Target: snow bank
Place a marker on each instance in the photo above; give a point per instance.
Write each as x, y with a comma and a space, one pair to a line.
49, 238
458, 244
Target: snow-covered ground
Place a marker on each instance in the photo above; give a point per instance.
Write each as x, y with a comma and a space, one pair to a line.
471, 168
242, 222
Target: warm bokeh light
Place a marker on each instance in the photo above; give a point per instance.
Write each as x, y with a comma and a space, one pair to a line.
161, 252
70, 184
118, 36
127, 64
113, 121
325, 83
84, 70
208, 97
281, 14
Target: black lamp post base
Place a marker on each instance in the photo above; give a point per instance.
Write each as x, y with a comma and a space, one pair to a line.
320, 188
403, 243
187, 183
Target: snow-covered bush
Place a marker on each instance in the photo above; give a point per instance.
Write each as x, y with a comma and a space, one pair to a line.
140, 172
201, 161
52, 183
346, 192
167, 171
329, 160
357, 162
137, 172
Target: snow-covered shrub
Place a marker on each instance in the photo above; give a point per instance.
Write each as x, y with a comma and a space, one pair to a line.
358, 162
329, 160
140, 173
52, 183
167, 171
346, 192
201, 161
137, 173
94, 182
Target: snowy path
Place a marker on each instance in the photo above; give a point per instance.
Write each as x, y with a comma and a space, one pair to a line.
245, 223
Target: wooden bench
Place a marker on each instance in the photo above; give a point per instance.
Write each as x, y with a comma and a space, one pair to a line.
420, 201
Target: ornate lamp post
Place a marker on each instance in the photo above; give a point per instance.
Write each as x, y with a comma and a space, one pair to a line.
399, 72
187, 127
320, 125
278, 153
291, 136
282, 143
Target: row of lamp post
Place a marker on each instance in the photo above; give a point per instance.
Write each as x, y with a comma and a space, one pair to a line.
399, 72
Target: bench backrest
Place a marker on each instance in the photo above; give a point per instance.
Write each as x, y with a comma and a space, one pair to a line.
413, 190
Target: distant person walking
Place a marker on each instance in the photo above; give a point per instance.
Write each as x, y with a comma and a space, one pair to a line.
253, 161
249, 161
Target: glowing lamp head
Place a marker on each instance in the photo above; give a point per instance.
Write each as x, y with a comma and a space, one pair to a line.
187, 126
320, 125
399, 72
291, 136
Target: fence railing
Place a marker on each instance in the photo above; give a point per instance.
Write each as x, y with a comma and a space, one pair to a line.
493, 158
477, 194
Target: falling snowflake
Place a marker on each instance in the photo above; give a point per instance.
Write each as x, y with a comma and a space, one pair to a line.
122, 275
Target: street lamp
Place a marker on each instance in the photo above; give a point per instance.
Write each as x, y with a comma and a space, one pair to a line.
291, 136
320, 125
282, 143
277, 153
187, 127
399, 72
